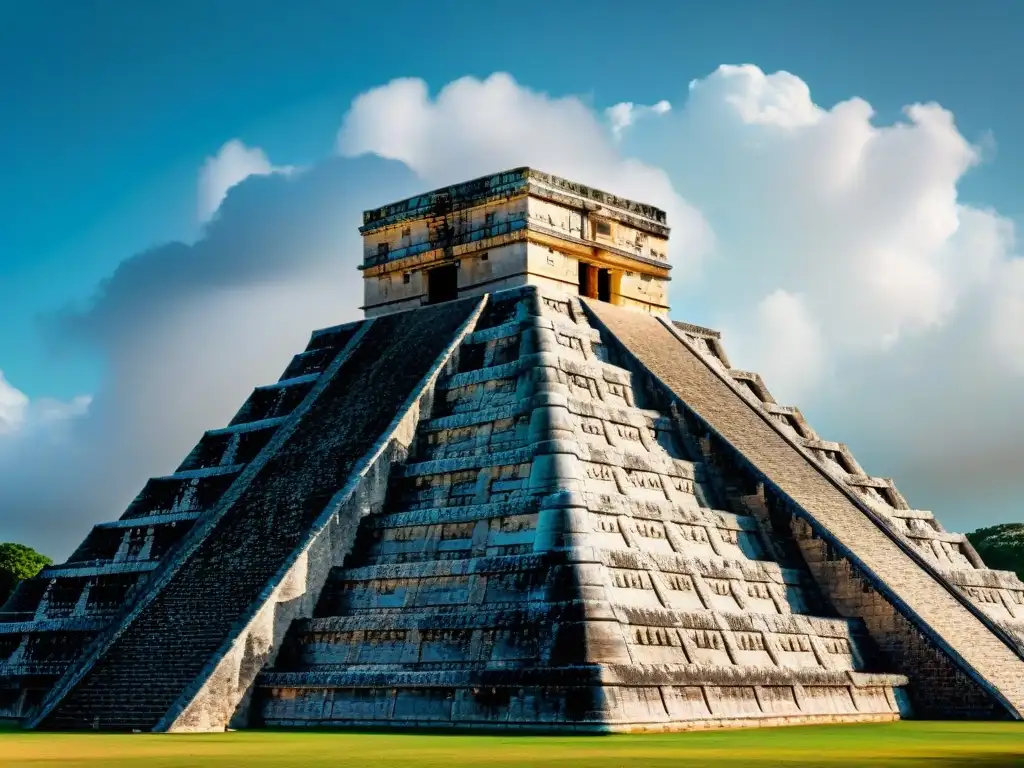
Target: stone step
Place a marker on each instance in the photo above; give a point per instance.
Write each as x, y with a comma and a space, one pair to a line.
274, 400
150, 520
97, 586
145, 674
310, 362
943, 619
711, 567
653, 675
69, 624
170, 495
515, 617
105, 568
249, 426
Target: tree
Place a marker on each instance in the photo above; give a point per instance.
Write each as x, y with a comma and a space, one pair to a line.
1001, 546
18, 562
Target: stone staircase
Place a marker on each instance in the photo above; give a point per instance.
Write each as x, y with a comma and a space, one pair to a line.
999, 594
142, 674
51, 619
920, 620
555, 555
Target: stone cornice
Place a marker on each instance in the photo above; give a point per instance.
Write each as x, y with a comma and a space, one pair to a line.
471, 243
507, 184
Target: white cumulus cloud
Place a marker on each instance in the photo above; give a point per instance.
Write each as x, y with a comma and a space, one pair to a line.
20, 414
832, 249
622, 115
13, 406
860, 220
50, 410
783, 339
232, 164
1007, 316
850, 274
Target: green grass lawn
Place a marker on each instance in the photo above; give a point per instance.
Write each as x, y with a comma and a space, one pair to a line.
909, 744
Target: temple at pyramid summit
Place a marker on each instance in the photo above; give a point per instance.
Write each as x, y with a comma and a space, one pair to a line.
516, 495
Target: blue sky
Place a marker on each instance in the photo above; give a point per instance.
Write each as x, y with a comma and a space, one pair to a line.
859, 252
110, 107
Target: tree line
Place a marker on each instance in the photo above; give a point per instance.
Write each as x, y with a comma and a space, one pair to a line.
18, 562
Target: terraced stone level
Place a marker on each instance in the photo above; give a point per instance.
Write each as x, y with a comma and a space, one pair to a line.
999, 594
159, 650
555, 555
955, 655
50, 620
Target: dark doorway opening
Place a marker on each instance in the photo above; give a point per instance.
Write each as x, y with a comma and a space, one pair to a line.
584, 279
443, 284
604, 285
595, 283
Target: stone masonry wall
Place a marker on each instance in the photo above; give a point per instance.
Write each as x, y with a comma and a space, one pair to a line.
159, 652
941, 689
952, 627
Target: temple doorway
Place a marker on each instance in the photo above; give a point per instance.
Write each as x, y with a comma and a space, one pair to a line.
443, 284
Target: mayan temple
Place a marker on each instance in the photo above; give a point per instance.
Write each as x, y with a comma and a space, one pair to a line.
516, 495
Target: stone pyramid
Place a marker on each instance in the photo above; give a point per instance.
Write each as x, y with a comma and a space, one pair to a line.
527, 509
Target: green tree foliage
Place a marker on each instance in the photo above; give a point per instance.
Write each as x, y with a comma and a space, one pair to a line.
1001, 546
18, 562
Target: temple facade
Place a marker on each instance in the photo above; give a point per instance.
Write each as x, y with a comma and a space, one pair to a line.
520, 227
517, 496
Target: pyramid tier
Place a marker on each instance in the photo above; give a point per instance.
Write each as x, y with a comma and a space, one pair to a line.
999, 594
553, 556
919, 618
51, 619
173, 637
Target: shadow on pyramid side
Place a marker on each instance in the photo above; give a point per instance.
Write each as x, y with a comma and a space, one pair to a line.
521, 512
